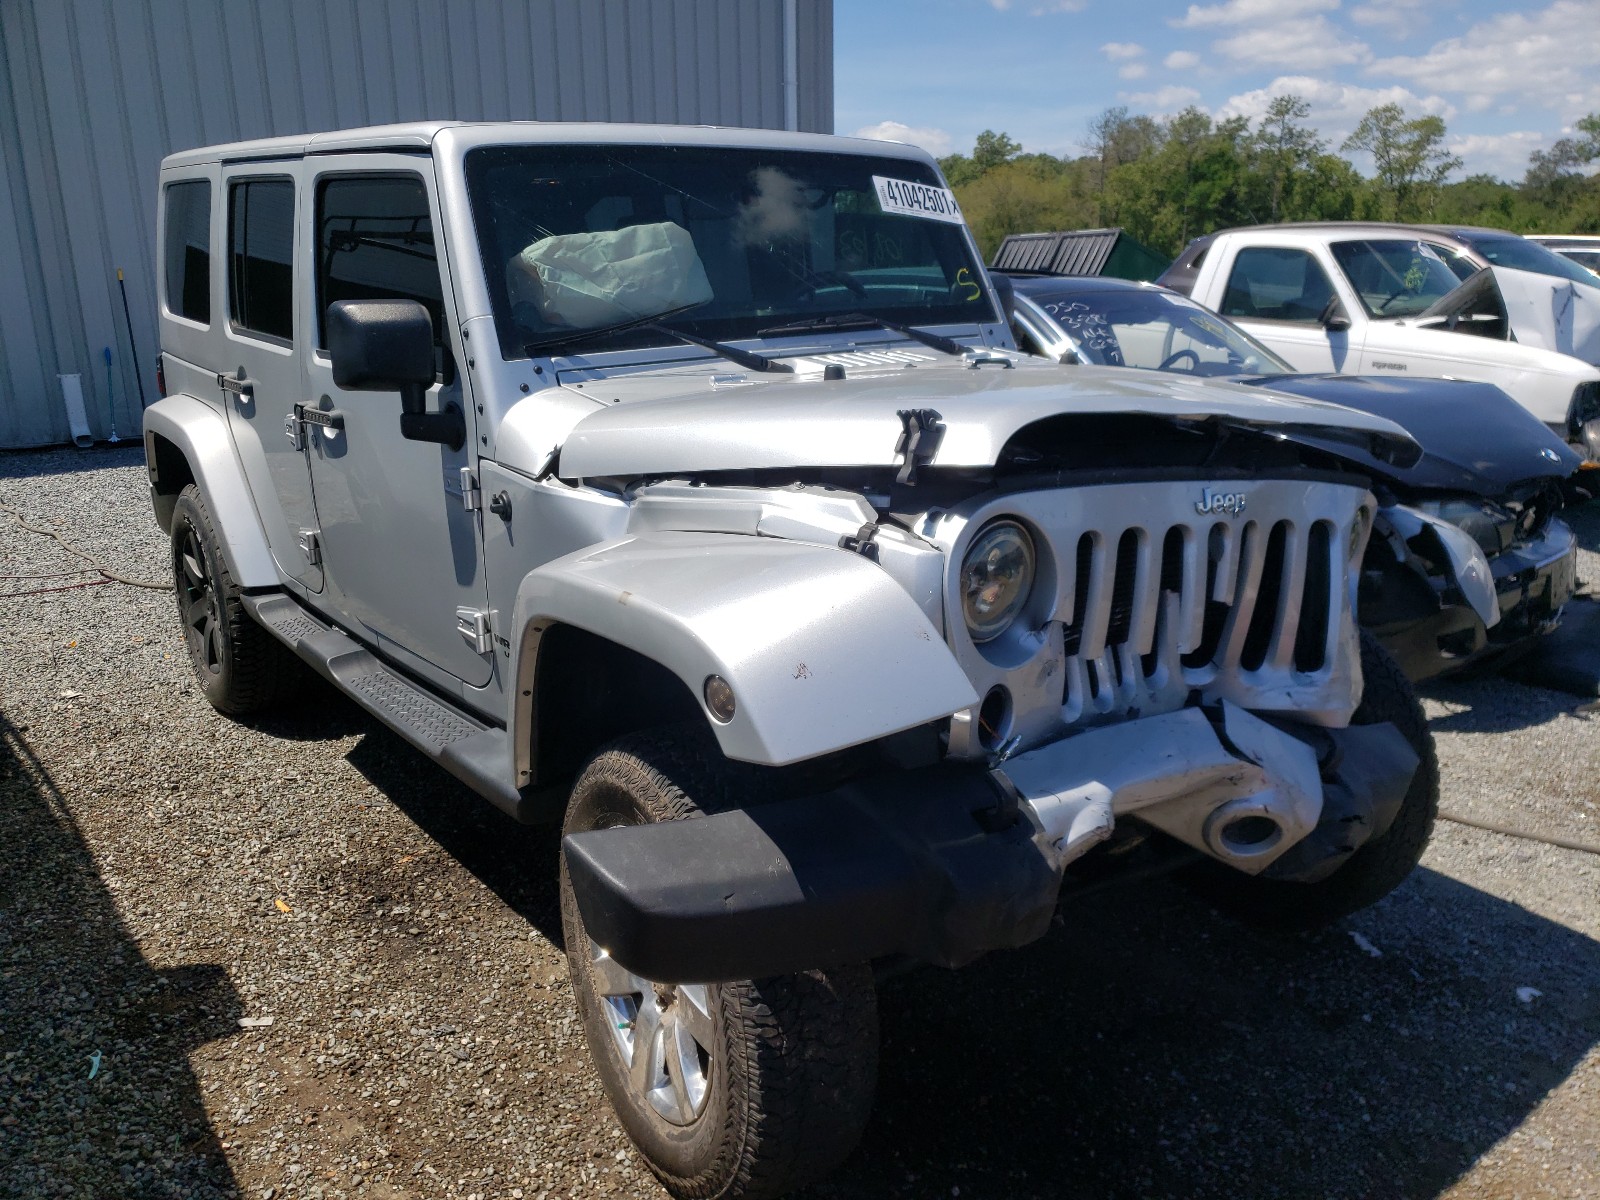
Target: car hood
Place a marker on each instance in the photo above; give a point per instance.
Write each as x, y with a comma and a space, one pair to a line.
1541, 310
1473, 436
692, 420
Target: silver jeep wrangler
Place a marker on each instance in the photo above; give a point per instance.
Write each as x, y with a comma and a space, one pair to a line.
684, 486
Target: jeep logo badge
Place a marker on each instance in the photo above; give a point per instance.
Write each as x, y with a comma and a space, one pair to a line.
1231, 503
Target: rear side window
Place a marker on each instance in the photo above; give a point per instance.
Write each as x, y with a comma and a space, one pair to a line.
375, 242
260, 257
1271, 283
188, 250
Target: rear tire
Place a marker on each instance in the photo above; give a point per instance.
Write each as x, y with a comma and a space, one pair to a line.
240, 667
748, 1089
1379, 866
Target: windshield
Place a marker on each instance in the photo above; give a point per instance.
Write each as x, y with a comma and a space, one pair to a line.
1394, 277
1156, 330
587, 237
1508, 250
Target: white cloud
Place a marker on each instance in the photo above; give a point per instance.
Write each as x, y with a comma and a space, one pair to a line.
1058, 6
1307, 45
1165, 100
1250, 12
1120, 50
1501, 154
1336, 108
1181, 60
935, 141
1544, 58
1000, 5
1135, 70
1400, 18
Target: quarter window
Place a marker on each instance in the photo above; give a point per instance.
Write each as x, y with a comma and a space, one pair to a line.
375, 242
1272, 283
188, 250
260, 257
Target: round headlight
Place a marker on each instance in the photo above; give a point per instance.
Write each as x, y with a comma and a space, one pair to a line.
996, 577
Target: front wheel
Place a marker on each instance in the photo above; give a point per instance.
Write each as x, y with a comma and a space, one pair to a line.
1379, 866
743, 1089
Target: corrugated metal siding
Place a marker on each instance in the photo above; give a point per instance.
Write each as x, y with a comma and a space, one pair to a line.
93, 93
1080, 252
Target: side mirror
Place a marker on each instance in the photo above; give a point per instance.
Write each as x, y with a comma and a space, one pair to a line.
1333, 316
1005, 293
387, 346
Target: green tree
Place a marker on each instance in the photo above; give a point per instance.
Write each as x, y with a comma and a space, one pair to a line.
1409, 157
1284, 150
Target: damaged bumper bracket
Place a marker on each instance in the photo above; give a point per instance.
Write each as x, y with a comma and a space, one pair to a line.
905, 864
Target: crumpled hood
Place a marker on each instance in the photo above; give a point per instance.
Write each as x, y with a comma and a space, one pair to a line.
1474, 437
679, 421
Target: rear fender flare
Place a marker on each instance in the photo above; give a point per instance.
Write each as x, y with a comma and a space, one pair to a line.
822, 648
200, 434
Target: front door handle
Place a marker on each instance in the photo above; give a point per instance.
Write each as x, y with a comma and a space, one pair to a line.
239, 386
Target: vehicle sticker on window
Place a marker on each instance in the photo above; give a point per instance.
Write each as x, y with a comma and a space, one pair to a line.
917, 200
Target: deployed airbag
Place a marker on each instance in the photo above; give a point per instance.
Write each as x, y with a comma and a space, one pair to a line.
590, 279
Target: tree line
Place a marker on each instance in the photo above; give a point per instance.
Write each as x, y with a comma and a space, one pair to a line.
1172, 179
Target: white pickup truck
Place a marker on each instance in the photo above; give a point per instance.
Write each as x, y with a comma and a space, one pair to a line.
1396, 300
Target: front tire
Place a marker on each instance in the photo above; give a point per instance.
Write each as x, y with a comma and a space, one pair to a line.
1379, 866
746, 1089
240, 667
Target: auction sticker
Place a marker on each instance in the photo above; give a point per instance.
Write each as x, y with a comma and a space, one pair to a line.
917, 200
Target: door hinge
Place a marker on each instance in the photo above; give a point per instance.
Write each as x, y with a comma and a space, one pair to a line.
473, 625
291, 430
311, 546
471, 497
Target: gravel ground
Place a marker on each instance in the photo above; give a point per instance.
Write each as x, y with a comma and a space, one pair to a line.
171, 882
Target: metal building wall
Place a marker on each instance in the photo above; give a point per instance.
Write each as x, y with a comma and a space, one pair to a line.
93, 93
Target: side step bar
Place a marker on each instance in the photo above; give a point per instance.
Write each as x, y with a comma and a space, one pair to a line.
477, 754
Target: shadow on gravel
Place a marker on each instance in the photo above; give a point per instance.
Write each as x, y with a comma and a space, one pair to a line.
72, 984
516, 862
1151, 1048
64, 460
1491, 704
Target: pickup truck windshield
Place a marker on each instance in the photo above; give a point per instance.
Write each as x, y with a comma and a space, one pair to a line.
1397, 277
740, 240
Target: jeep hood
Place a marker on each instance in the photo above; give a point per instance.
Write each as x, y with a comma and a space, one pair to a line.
677, 421
1474, 437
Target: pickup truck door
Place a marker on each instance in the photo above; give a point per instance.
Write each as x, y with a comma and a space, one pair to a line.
263, 272
1278, 294
400, 533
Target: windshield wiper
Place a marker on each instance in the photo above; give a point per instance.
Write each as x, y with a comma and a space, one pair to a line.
858, 320
532, 349
747, 359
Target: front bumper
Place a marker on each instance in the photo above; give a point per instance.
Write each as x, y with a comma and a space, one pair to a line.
1430, 627
949, 862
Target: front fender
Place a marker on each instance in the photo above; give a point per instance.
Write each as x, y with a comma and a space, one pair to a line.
200, 434
822, 648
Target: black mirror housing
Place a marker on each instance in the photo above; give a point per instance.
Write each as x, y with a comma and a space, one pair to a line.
1333, 316
380, 345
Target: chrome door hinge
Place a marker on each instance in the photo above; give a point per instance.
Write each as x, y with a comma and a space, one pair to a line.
311, 546
471, 497
473, 625
292, 430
